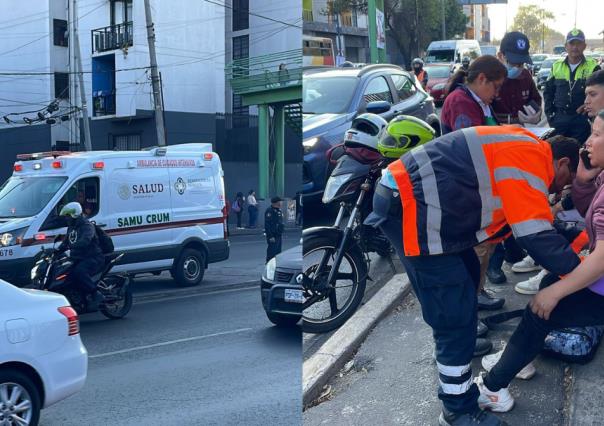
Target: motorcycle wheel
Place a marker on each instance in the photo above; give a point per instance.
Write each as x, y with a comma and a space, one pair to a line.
121, 306
338, 303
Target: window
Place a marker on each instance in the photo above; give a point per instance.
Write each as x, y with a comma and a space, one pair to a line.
241, 47
86, 192
61, 85
121, 11
240, 113
404, 86
59, 30
241, 13
127, 142
377, 90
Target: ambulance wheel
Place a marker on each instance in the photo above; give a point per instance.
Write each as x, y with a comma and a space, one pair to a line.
189, 268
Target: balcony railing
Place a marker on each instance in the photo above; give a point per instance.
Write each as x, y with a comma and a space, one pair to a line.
260, 73
103, 104
307, 15
112, 37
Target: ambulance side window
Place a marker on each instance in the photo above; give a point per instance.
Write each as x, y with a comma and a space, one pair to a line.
84, 191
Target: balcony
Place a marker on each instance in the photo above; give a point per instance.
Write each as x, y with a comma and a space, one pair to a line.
112, 37
307, 15
103, 104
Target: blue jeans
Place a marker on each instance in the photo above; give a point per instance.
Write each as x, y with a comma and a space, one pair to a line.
253, 216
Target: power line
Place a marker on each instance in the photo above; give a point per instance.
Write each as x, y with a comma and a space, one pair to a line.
226, 6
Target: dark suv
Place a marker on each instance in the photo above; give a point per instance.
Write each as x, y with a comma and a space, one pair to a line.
333, 97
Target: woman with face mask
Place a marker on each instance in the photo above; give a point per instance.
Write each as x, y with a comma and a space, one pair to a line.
518, 101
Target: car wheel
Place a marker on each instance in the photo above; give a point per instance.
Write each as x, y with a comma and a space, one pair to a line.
19, 399
189, 268
281, 320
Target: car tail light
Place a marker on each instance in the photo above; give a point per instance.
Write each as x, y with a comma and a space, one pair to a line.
73, 322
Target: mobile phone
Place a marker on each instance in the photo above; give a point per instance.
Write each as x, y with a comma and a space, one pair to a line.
585, 158
534, 105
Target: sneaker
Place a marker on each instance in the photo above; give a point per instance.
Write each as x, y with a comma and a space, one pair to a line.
525, 265
489, 361
488, 302
499, 402
530, 286
478, 417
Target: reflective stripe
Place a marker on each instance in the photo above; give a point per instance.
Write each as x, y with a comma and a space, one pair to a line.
451, 389
405, 189
503, 173
497, 138
529, 227
453, 370
432, 200
483, 175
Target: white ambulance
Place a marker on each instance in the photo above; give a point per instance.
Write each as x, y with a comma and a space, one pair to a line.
164, 208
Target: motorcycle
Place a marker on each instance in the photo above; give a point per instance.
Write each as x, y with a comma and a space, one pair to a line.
52, 269
336, 259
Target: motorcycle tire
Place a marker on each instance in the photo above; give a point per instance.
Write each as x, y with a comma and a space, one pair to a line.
354, 257
127, 304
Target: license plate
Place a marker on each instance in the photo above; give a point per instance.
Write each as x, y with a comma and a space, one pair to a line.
295, 296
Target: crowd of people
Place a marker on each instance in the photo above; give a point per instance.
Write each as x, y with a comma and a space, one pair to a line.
489, 189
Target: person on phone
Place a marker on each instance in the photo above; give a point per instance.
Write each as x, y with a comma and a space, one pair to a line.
518, 101
575, 300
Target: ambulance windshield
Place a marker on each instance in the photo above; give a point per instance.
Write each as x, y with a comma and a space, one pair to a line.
24, 196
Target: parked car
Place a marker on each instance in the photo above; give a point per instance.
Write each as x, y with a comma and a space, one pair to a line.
332, 98
42, 359
537, 61
281, 288
544, 72
438, 75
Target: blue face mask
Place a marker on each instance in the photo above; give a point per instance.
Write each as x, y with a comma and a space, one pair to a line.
513, 72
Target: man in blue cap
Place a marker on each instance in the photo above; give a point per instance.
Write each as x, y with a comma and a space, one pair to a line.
564, 92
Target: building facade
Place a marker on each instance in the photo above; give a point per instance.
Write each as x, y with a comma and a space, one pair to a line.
479, 25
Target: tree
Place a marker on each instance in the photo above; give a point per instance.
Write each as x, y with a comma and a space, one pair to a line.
533, 22
413, 24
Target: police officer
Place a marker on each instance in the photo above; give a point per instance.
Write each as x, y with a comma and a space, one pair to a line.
564, 92
84, 248
273, 228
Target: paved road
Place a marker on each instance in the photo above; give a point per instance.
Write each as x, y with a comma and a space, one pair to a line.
393, 379
210, 357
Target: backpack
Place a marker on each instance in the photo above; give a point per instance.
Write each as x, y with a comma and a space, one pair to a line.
236, 207
570, 344
105, 240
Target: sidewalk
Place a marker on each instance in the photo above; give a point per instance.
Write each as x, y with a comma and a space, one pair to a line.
392, 378
259, 230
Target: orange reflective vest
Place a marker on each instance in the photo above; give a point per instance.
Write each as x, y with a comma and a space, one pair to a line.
473, 185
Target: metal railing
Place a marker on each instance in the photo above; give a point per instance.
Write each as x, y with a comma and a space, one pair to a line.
261, 73
112, 37
307, 15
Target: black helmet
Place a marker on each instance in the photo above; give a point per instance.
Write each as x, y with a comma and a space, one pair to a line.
417, 61
465, 60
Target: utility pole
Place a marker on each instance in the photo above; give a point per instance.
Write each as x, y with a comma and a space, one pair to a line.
78, 55
159, 118
442, 9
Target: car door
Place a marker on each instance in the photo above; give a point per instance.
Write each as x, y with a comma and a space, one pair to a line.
410, 100
378, 89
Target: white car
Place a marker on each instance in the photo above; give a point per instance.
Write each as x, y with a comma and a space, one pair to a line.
42, 359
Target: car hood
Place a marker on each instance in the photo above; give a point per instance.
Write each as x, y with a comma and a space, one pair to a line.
10, 224
291, 258
316, 124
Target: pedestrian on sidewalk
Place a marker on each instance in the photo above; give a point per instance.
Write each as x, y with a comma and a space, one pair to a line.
237, 207
273, 228
564, 92
252, 208
576, 300
443, 198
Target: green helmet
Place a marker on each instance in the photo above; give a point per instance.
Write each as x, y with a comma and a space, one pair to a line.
402, 134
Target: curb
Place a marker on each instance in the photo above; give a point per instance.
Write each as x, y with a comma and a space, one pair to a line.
260, 231
195, 291
331, 356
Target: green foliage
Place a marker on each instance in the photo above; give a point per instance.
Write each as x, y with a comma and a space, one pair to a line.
533, 22
413, 24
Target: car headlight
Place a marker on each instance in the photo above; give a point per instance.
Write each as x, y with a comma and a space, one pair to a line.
309, 143
333, 184
12, 238
438, 86
269, 270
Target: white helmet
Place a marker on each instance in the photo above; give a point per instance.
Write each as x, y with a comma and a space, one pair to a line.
73, 209
364, 131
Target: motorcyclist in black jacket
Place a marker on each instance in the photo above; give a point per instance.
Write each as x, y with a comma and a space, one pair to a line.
84, 249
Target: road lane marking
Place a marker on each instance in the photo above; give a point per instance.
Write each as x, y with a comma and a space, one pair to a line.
168, 343
187, 296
